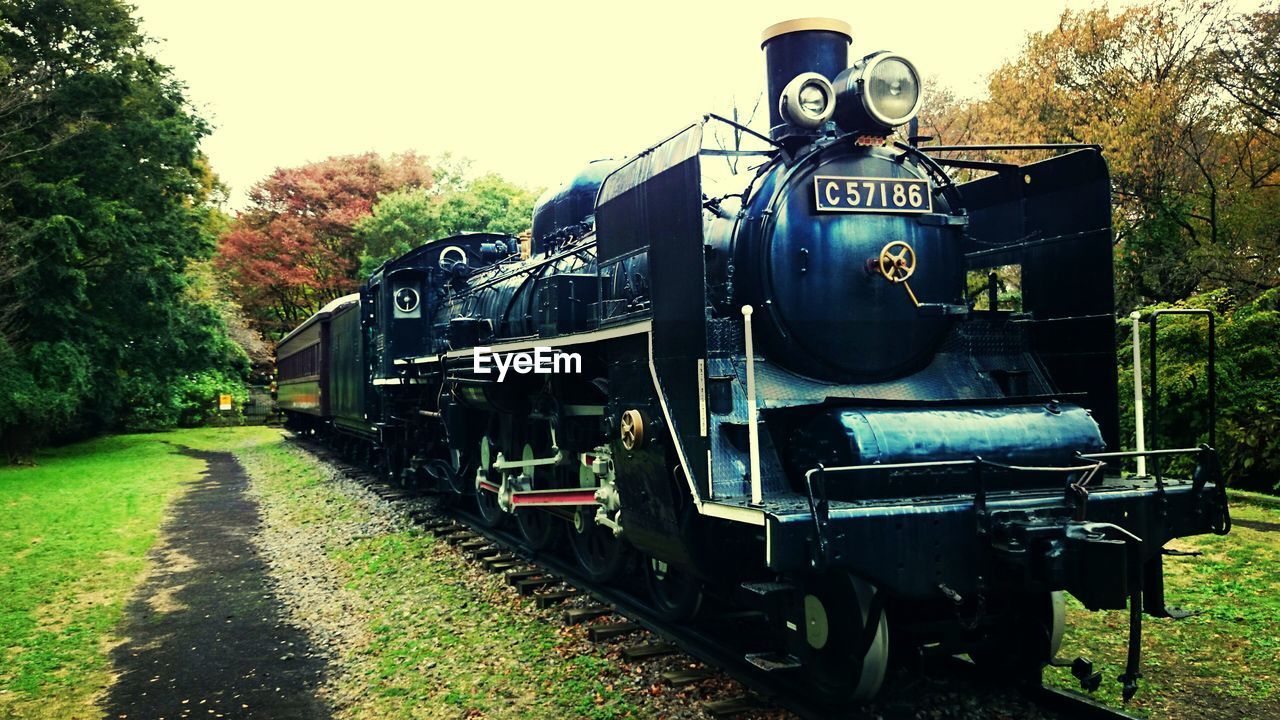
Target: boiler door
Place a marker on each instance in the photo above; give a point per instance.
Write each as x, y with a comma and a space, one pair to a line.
840, 283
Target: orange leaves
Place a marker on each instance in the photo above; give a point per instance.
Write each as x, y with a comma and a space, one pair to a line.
295, 247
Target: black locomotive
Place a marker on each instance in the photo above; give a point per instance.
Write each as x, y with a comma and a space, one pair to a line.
780, 396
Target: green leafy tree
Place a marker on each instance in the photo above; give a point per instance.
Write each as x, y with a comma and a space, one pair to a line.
487, 204
406, 219
401, 221
1248, 392
104, 203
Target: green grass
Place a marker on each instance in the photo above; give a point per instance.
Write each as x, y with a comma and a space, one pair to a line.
1225, 658
74, 532
443, 639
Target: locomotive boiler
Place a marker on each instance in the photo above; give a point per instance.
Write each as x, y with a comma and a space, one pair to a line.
782, 395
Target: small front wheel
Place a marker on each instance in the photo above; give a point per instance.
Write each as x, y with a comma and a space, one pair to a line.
601, 555
676, 593
1024, 639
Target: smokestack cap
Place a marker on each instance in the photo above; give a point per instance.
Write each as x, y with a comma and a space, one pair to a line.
787, 27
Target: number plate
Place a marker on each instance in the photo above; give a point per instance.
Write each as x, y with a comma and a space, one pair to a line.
871, 194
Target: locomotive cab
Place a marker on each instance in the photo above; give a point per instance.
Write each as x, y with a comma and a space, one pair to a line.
408, 291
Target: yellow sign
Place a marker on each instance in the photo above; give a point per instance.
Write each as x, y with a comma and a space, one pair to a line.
224, 402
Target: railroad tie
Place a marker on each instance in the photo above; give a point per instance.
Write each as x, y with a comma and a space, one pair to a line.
647, 650
573, 616
732, 706
609, 631
546, 600
529, 585
460, 536
483, 554
676, 678
515, 577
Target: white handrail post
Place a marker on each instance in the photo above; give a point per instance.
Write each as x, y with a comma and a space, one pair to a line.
753, 432
1138, 419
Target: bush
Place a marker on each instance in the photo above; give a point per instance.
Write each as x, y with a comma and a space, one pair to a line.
184, 401
1248, 392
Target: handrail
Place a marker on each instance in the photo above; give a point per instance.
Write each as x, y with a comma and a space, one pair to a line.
1213, 375
1012, 147
1144, 453
818, 506
955, 463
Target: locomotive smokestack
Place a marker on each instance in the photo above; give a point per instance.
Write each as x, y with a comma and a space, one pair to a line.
818, 45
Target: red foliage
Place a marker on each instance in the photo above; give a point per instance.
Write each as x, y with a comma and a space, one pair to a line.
294, 249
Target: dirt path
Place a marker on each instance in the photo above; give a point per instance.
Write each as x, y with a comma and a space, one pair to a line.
205, 636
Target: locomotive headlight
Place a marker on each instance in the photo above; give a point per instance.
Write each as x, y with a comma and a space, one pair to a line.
882, 89
893, 90
813, 100
807, 101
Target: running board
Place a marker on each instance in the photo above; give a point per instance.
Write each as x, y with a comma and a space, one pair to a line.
773, 662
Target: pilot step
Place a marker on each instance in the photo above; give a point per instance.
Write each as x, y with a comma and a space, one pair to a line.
773, 662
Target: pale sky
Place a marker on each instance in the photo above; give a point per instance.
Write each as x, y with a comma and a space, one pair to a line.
532, 90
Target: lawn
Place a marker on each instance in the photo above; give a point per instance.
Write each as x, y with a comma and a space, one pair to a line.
77, 526
74, 533
1222, 662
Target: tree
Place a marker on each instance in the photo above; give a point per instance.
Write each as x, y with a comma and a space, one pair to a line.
1190, 212
104, 202
295, 248
401, 221
1247, 66
404, 220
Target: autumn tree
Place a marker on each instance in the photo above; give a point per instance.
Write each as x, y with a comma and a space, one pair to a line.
1246, 65
1190, 213
295, 248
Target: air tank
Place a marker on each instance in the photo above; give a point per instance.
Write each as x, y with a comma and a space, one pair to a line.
569, 210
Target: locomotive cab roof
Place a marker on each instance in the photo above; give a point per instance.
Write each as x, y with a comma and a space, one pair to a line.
470, 244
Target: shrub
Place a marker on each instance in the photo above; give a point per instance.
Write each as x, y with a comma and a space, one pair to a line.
1248, 391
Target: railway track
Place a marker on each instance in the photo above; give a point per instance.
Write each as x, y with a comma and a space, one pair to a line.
719, 640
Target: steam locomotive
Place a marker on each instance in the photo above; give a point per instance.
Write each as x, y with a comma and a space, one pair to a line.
775, 390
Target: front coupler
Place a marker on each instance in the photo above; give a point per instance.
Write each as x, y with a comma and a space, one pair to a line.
1101, 564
